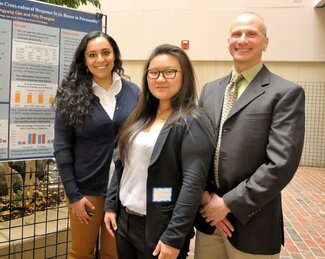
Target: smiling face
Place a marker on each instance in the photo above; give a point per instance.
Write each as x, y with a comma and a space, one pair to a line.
247, 41
99, 58
161, 88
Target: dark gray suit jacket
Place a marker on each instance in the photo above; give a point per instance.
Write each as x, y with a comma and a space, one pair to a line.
262, 141
180, 160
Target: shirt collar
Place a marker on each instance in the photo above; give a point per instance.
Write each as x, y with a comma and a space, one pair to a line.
116, 86
250, 73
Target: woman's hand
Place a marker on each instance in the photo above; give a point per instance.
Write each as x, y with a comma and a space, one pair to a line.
79, 210
165, 251
110, 222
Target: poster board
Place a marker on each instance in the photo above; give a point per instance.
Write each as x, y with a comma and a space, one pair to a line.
37, 43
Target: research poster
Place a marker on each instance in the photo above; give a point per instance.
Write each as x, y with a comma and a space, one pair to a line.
37, 43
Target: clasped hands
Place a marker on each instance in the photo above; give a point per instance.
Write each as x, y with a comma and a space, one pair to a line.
214, 211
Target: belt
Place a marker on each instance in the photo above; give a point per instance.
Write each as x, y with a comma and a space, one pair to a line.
131, 212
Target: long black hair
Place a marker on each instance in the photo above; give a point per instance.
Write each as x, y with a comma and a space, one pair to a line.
75, 93
184, 102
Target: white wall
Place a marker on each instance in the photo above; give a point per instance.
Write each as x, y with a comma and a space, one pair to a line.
210, 70
296, 50
296, 29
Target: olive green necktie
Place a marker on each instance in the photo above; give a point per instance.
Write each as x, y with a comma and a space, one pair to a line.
229, 100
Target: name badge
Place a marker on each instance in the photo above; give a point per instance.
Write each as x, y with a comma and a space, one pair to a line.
162, 194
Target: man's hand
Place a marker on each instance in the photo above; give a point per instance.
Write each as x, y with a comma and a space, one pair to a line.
225, 227
214, 211
206, 197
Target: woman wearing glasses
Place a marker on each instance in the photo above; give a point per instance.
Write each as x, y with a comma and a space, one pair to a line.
165, 149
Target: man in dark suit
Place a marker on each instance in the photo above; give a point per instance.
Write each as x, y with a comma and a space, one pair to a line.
261, 142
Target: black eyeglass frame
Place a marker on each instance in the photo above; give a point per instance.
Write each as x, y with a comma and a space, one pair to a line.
174, 70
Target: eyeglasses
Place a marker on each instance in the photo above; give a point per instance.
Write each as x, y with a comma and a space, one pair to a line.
168, 73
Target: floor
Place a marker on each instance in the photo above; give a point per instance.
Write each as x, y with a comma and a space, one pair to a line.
304, 215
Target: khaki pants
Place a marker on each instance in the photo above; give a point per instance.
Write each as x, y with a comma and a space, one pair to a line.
84, 236
216, 246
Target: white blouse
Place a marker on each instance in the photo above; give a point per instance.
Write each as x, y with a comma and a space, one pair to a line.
133, 190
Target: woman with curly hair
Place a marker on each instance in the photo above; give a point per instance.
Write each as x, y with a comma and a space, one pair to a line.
92, 103
166, 147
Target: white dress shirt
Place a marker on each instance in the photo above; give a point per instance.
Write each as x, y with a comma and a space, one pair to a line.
107, 97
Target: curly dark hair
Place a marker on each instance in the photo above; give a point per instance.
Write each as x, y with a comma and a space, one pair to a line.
75, 93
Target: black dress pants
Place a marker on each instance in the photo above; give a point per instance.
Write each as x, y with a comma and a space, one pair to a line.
131, 238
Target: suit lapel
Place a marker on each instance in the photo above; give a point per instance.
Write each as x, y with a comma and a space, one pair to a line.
159, 144
253, 91
218, 98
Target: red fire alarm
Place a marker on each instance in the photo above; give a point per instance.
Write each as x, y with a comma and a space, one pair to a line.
185, 44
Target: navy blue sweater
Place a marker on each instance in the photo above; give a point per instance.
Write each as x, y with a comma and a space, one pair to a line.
84, 156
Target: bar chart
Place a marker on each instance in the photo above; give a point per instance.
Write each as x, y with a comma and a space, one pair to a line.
34, 139
32, 98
